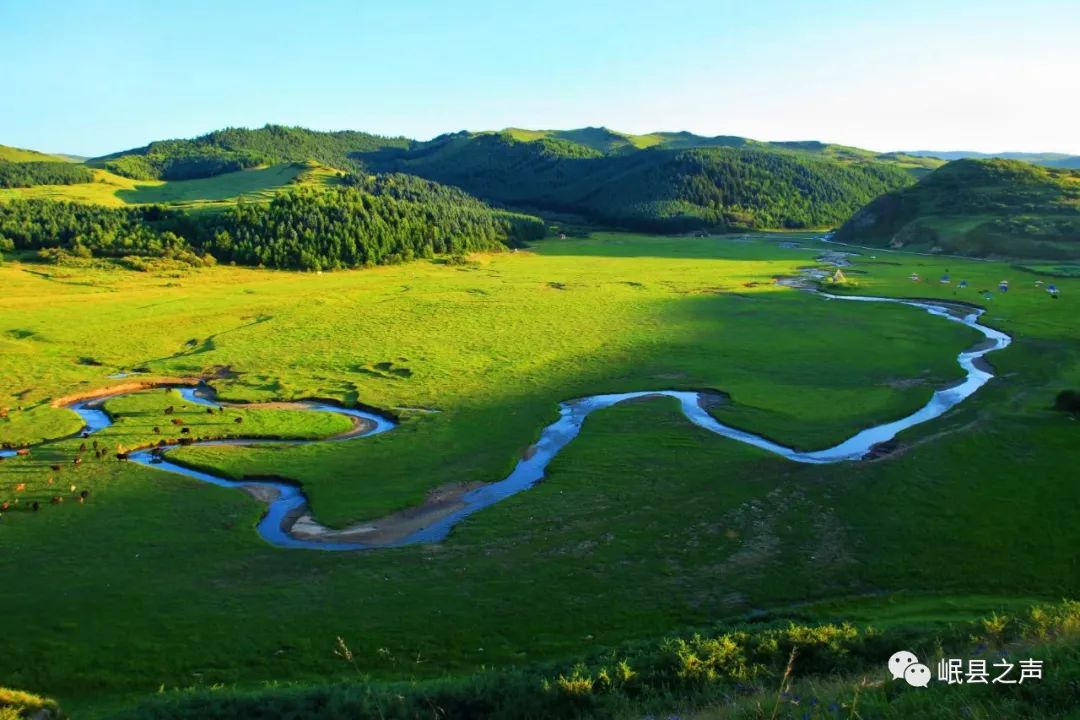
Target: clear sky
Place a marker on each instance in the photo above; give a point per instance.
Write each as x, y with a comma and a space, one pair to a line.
94, 76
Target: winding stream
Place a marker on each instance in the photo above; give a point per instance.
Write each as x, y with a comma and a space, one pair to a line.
288, 523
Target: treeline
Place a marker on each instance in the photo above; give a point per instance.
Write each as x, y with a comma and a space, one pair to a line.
234, 149
85, 230
181, 163
658, 189
369, 221
372, 222
28, 174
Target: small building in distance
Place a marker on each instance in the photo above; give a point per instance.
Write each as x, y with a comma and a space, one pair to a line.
914, 277
1003, 286
962, 284
945, 279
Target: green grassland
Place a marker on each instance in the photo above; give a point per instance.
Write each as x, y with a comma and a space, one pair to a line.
644, 524
219, 191
14, 154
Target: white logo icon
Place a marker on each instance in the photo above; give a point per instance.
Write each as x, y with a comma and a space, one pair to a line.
917, 675
905, 665
900, 661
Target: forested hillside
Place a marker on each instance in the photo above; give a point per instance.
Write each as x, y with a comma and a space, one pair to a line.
751, 186
28, 174
373, 222
234, 149
1001, 208
370, 221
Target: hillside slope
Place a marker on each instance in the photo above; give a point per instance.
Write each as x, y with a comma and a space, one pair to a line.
20, 155
1005, 208
1050, 159
219, 191
233, 149
743, 184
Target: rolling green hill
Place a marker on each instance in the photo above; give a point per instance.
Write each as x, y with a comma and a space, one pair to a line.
217, 192
1050, 159
665, 181
727, 183
32, 173
233, 149
1005, 208
19, 155
360, 222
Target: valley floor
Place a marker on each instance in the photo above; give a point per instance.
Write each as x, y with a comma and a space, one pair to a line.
645, 524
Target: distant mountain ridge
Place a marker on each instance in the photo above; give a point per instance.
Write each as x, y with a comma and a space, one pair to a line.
1049, 159
663, 181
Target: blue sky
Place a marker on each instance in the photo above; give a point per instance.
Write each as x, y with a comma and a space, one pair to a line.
96, 76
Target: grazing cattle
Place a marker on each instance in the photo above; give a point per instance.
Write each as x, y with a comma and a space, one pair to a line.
95, 443
54, 468
49, 480
185, 430
84, 494
209, 411
77, 461
162, 443
238, 420
35, 505
177, 421
186, 441
23, 452
157, 430
3, 412
72, 488
20, 487
121, 456
57, 499
169, 410
5, 505
82, 448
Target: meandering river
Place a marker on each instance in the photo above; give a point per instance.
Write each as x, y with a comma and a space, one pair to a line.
289, 524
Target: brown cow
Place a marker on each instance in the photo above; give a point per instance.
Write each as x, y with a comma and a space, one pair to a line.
169, 410
23, 452
121, 456
77, 461
157, 430
54, 468
57, 499
177, 421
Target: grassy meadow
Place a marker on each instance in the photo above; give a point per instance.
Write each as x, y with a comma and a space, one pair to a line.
217, 192
644, 524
